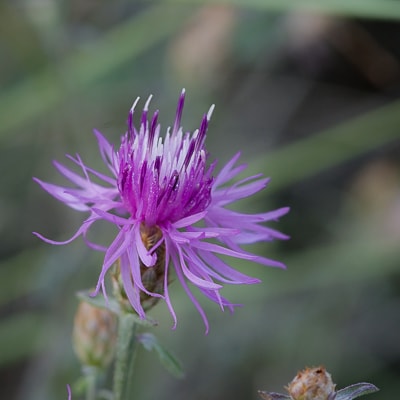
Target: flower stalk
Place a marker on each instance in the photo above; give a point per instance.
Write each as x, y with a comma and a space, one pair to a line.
91, 378
125, 357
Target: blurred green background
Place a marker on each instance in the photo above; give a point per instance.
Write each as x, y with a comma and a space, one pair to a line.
307, 90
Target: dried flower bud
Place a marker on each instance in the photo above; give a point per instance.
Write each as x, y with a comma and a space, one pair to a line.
94, 335
152, 277
312, 384
316, 384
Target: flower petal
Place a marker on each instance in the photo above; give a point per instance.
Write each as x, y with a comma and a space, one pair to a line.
190, 294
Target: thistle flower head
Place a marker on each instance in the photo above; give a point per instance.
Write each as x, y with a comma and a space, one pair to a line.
167, 203
163, 181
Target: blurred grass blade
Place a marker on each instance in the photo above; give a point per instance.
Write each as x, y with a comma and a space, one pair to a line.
377, 9
38, 94
21, 336
20, 274
309, 156
356, 259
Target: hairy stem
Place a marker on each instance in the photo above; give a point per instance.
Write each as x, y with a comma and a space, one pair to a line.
125, 357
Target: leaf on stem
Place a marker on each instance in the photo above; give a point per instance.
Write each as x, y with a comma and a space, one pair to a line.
273, 396
150, 342
356, 390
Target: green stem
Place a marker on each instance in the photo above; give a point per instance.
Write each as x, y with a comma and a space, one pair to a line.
91, 382
125, 357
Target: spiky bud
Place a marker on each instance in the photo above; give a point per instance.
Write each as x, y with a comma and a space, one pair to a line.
312, 384
316, 384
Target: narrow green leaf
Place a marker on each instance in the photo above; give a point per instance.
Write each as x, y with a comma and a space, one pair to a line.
273, 396
356, 390
150, 342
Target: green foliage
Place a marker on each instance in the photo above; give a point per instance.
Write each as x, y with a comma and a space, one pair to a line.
353, 391
150, 342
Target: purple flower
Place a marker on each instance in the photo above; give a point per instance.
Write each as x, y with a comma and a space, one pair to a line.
165, 186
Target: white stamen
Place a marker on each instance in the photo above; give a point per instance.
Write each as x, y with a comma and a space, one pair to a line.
210, 111
146, 106
134, 104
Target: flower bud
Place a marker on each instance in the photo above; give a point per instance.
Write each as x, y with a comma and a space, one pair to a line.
312, 384
152, 277
94, 335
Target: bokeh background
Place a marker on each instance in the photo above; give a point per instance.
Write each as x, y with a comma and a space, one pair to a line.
307, 90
